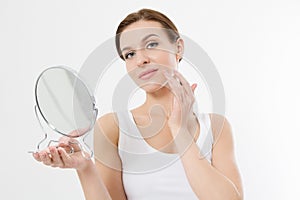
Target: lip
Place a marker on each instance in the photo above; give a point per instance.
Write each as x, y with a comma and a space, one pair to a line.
147, 74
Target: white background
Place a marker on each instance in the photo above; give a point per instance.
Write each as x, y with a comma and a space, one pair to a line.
255, 46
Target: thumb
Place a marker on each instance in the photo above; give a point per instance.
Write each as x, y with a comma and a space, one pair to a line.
193, 87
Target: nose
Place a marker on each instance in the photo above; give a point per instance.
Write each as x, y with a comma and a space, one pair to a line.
142, 58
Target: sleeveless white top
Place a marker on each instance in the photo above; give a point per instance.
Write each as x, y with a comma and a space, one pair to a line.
149, 174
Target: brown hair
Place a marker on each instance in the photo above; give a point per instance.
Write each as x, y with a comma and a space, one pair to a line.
147, 15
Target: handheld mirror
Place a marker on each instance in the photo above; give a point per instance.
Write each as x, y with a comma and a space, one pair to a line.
65, 105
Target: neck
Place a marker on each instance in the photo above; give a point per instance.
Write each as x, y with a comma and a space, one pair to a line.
159, 102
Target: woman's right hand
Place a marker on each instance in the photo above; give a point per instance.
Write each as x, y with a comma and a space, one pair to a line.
57, 156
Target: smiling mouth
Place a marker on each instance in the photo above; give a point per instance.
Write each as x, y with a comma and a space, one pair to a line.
148, 74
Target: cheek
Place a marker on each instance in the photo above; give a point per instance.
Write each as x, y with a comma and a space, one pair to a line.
170, 61
166, 59
129, 66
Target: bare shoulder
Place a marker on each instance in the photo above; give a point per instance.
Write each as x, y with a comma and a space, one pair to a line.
220, 125
107, 125
223, 146
107, 159
106, 136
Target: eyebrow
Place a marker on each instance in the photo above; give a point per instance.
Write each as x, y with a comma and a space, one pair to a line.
144, 39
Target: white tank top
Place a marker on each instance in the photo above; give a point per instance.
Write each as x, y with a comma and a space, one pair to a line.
149, 174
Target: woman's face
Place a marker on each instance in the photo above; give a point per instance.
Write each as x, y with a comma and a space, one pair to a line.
147, 51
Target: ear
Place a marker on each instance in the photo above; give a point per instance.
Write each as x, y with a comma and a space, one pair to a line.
179, 48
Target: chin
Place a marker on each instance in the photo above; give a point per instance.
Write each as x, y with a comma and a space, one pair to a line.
151, 87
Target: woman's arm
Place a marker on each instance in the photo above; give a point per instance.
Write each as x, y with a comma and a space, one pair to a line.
92, 184
107, 159
99, 180
221, 179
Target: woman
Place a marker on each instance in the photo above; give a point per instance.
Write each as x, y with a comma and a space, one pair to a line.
151, 47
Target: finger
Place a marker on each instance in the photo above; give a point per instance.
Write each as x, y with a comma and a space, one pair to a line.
45, 158
185, 84
69, 144
68, 148
67, 139
73, 146
37, 157
174, 84
56, 160
66, 158
64, 140
193, 87
181, 78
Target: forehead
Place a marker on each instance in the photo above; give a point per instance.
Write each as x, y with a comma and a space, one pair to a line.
136, 31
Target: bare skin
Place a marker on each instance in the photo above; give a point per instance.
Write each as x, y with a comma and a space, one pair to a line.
102, 179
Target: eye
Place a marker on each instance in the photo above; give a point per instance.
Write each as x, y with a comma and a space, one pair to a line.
129, 55
152, 45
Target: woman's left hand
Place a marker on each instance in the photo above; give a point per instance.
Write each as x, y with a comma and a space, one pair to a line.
182, 109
